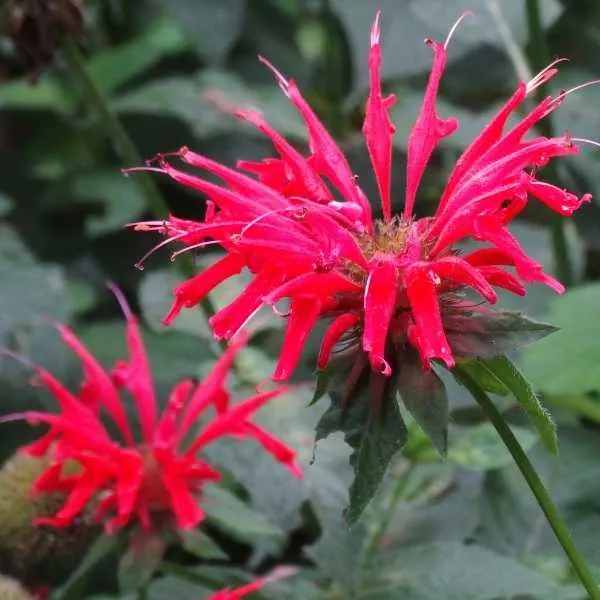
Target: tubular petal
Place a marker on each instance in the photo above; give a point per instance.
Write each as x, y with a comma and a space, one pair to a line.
332, 336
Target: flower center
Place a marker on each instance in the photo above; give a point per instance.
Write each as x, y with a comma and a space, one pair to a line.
389, 238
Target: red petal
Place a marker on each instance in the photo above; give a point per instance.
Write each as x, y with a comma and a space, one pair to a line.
334, 332
462, 273
380, 300
427, 131
378, 128
304, 313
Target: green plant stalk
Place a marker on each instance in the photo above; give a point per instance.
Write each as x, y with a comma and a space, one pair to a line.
125, 149
540, 57
534, 482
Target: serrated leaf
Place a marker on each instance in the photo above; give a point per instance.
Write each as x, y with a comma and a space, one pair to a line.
424, 395
373, 427
541, 419
235, 517
140, 561
492, 333
321, 385
481, 447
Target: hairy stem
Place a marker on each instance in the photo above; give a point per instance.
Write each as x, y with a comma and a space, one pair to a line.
540, 57
534, 482
125, 149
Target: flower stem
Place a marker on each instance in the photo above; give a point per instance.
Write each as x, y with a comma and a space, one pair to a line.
540, 57
534, 482
125, 149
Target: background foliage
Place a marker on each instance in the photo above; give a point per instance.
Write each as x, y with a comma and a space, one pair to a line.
465, 528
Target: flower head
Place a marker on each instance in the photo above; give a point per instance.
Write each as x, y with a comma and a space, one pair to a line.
153, 481
305, 230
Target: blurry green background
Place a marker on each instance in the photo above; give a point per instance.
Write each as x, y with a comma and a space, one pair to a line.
151, 65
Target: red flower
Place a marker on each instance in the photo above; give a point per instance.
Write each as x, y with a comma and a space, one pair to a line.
241, 592
159, 477
306, 231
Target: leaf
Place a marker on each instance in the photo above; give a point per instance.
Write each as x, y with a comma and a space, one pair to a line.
481, 447
121, 199
46, 94
234, 516
567, 363
405, 25
200, 544
212, 25
485, 378
5, 204
453, 571
424, 396
117, 65
176, 588
102, 547
373, 427
140, 561
539, 416
189, 99
492, 333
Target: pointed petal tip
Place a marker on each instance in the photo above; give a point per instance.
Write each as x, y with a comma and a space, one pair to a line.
376, 29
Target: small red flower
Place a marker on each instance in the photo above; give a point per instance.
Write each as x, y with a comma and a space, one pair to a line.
304, 228
241, 592
159, 477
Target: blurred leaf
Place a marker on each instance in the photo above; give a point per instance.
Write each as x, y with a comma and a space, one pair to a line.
200, 544
481, 448
189, 99
567, 363
46, 94
452, 571
5, 204
175, 588
234, 516
140, 561
173, 355
405, 24
81, 296
539, 416
212, 25
117, 65
424, 396
121, 199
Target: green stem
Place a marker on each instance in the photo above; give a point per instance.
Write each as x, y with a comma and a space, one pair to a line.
534, 482
540, 57
125, 149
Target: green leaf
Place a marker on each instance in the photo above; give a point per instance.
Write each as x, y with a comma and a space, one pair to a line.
189, 99
140, 561
46, 94
200, 544
235, 517
491, 333
453, 571
117, 65
506, 372
373, 427
567, 363
120, 197
424, 396
485, 378
176, 588
481, 447
212, 25
5, 204
102, 547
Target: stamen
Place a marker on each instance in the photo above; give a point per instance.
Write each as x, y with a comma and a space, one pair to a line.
565, 93
283, 82
264, 216
143, 169
586, 141
194, 247
22, 360
544, 75
121, 300
455, 27
140, 264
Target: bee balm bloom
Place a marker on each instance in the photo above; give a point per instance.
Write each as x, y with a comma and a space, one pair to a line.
306, 231
155, 481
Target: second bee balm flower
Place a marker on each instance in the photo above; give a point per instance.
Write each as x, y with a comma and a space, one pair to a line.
304, 228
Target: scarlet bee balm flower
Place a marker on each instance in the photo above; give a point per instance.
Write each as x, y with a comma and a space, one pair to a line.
304, 228
155, 482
